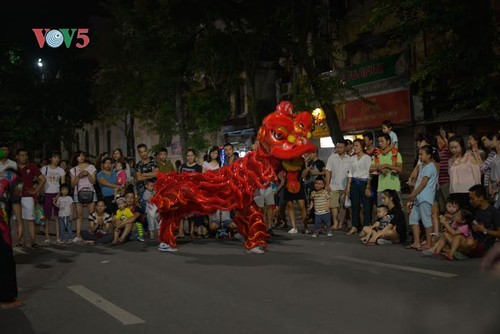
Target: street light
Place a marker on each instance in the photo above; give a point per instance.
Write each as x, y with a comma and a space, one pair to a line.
40, 64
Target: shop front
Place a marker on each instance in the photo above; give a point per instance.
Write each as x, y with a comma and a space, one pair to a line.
382, 85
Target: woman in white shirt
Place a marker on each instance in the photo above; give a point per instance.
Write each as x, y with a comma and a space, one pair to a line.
54, 176
213, 160
358, 186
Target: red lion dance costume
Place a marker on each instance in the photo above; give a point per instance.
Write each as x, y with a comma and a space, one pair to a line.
283, 139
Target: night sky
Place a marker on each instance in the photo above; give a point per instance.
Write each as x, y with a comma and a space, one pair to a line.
18, 18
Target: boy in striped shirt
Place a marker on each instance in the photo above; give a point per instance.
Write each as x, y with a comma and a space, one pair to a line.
320, 199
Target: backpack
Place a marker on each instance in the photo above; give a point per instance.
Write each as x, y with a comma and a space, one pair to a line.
394, 157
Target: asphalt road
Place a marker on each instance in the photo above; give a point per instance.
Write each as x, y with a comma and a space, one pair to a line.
301, 285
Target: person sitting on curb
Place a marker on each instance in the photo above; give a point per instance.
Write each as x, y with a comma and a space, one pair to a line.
456, 236
126, 226
371, 234
487, 227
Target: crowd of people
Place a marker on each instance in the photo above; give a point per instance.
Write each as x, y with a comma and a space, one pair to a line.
453, 205
355, 179
358, 179
452, 211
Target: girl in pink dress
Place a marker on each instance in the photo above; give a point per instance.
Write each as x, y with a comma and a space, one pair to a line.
456, 235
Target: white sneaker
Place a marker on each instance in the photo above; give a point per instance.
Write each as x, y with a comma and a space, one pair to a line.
47, 242
239, 237
306, 231
163, 247
315, 235
77, 239
256, 250
381, 241
293, 231
59, 241
329, 234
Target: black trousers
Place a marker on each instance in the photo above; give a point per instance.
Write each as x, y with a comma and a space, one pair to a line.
8, 279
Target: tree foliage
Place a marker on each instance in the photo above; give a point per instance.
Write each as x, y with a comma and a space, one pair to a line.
43, 107
179, 66
460, 41
170, 53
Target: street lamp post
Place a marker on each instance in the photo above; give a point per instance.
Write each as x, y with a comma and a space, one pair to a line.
39, 63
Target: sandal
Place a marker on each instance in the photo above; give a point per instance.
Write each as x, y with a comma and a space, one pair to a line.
413, 247
353, 230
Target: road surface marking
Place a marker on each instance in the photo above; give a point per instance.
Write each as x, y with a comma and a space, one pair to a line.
396, 266
116, 312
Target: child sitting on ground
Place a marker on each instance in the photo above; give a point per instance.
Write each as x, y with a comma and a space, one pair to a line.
221, 223
122, 214
370, 234
452, 207
320, 200
100, 226
457, 235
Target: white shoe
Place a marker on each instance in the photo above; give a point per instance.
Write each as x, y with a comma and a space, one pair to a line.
59, 241
256, 250
239, 237
314, 235
381, 241
47, 242
293, 231
77, 239
163, 247
329, 234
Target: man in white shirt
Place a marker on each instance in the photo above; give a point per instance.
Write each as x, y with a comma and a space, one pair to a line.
337, 169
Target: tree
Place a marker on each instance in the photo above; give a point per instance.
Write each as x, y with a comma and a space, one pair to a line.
460, 66
266, 30
176, 58
42, 106
173, 56
299, 35
40, 114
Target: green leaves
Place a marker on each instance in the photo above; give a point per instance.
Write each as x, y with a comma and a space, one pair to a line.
453, 43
